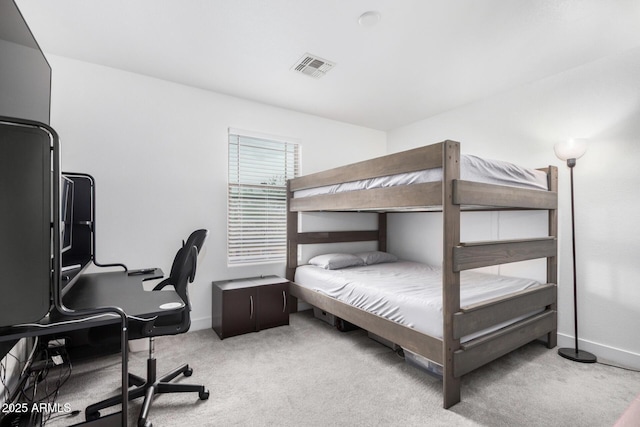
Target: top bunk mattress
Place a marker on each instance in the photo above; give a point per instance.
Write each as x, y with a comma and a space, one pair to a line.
407, 292
472, 168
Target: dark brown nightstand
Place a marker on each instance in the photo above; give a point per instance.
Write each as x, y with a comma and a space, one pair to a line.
249, 305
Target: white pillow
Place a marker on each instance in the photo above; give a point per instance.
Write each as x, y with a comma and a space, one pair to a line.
336, 261
376, 257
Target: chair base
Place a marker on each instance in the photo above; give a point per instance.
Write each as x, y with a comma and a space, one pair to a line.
148, 388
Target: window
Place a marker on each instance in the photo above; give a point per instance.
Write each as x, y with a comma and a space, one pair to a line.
257, 208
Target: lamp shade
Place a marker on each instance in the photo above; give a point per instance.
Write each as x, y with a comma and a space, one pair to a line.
570, 149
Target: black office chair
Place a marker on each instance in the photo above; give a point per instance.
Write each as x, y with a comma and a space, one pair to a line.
183, 271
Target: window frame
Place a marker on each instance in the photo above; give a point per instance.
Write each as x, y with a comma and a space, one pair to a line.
269, 247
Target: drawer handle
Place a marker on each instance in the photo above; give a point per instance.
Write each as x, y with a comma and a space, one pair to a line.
284, 301
250, 306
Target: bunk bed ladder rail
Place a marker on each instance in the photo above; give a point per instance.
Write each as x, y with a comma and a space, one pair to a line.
477, 352
450, 277
458, 322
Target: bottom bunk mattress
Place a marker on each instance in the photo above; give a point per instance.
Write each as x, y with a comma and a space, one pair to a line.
407, 292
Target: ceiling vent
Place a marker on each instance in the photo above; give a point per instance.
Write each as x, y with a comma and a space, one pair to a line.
313, 66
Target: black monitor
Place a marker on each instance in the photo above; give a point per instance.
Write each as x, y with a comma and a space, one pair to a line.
26, 187
25, 74
66, 213
25, 222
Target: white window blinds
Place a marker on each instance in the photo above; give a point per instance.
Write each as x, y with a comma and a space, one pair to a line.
257, 222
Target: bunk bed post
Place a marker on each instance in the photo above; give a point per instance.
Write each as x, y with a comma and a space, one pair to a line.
292, 246
552, 262
382, 231
450, 278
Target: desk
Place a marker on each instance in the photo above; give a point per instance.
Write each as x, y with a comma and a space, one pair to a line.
95, 291
119, 289
90, 296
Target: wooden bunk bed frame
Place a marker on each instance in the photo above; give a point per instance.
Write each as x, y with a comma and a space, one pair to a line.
449, 196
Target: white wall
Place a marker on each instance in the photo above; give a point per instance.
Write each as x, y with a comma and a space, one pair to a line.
599, 101
158, 152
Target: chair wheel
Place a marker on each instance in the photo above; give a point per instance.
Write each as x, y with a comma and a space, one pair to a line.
188, 372
204, 395
92, 416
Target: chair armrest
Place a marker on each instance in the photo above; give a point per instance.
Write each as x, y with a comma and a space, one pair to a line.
162, 284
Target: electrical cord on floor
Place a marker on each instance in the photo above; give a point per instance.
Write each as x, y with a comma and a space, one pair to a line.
73, 413
619, 367
23, 365
43, 386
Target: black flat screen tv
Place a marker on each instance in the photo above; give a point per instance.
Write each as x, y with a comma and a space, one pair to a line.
26, 186
25, 73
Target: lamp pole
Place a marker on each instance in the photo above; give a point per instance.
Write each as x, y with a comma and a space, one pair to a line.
573, 251
575, 354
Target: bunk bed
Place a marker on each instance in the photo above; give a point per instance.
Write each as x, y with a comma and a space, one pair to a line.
529, 313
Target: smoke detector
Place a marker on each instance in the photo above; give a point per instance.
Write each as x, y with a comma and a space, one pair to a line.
313, 66
369, 19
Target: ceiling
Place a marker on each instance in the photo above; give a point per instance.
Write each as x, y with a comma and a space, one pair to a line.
422, 58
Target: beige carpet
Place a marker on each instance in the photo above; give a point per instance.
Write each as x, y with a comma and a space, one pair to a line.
309, 374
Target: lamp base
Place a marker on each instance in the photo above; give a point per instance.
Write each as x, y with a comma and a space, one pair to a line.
577, 355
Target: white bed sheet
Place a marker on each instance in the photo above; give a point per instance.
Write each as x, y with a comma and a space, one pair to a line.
472, 168
406, 292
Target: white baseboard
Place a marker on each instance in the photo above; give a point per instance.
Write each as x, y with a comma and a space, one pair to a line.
605, 354
201, 323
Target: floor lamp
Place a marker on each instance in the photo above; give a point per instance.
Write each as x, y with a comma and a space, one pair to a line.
571, 150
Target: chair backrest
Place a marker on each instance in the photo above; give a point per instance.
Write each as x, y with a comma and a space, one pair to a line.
183, 270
